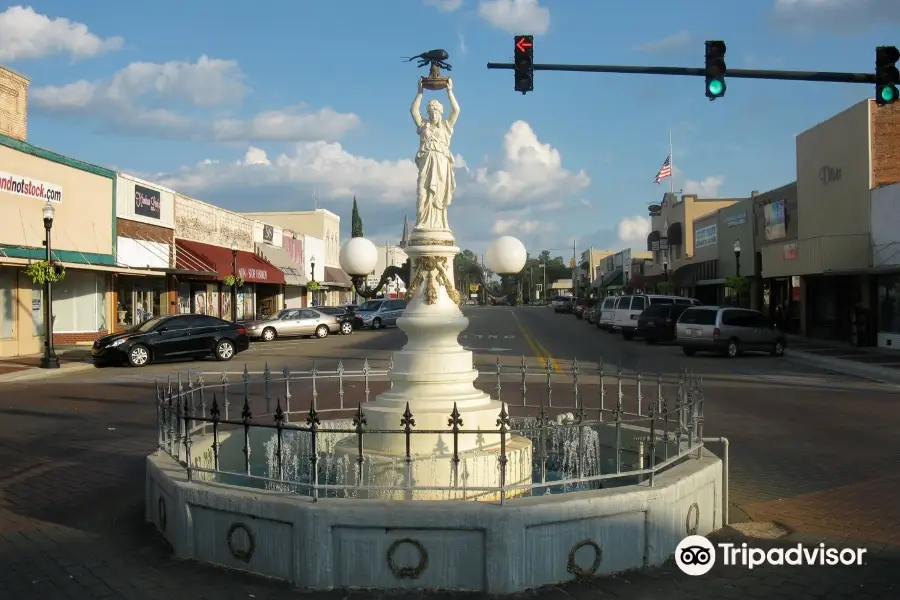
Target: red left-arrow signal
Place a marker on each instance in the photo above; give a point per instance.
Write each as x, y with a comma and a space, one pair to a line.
523, 43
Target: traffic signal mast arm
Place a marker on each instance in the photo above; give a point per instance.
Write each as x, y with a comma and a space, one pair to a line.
818, 76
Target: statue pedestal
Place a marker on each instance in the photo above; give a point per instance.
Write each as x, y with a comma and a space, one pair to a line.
431, 373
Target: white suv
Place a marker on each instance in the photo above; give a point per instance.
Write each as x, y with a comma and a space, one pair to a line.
629, 308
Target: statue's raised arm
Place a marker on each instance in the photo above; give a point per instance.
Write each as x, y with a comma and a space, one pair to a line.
454, 105
415, 110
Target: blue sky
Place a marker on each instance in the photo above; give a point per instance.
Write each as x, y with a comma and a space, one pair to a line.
260, 109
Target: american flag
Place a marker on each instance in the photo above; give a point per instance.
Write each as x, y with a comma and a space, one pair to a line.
664, 171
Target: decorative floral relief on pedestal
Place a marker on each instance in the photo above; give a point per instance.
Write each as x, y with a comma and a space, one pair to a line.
432, 273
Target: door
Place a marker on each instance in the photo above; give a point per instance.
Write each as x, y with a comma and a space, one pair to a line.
204, 334
623, 309
638, 304
173, 338
396, 310
309, 320
291, 323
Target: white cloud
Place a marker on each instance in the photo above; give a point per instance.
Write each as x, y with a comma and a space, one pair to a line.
27, 35
445, 5
835, 15
463, 48
521, 227
707, 188
138, 100
674, 42
531, 171
633, 229
516, 16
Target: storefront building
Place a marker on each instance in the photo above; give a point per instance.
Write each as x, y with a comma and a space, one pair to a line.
83, 241
735, 225
212, 244
280, 249
777, 219
885, 212
295, 280
671, 240
145, 242
335, 287
313, 251
839, 163
708, 287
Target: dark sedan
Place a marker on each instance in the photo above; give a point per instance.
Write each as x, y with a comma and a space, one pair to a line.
657, 322
346, 315
175, 336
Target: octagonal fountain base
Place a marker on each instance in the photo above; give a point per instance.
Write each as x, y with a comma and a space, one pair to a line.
457, 545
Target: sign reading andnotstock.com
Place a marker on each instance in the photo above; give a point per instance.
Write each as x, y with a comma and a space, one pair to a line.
31, 188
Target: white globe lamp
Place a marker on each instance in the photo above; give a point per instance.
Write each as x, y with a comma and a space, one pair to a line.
358, 257
506, 256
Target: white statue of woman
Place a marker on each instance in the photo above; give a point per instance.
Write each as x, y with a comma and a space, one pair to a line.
437, 180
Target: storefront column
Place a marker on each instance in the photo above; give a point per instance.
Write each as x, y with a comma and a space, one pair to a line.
114, 295
803, 307
172, 295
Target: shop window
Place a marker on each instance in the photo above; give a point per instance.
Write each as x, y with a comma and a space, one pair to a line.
889, 304
79, 303
8, 287
138, 301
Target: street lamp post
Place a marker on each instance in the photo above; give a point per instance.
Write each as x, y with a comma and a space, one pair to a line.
544, 281
312, 275
234, 275
737, 268
665, 269
49, 360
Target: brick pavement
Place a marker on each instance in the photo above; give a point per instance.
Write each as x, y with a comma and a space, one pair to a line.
71, 519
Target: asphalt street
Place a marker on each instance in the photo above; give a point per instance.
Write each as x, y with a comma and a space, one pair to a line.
812, 450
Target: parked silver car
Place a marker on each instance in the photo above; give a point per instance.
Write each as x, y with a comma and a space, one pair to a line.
381, 313
726, 330
294, 322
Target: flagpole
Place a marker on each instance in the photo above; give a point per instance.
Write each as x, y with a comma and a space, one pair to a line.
671, 164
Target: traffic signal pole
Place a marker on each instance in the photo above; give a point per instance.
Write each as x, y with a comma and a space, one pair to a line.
816, 76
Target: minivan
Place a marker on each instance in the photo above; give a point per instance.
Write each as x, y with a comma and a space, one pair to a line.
381, 313
629, 308
726, 330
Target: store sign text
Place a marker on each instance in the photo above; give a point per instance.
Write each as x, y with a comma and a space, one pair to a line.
31, 188
735, 220
147, 202
254, 274
790, 252
705, 236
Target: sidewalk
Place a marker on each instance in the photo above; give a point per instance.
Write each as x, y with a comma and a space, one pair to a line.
24, 368
878, 364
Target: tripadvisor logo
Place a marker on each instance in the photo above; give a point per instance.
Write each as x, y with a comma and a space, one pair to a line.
696, 555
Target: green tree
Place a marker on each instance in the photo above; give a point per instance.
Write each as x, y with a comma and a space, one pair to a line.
356, 222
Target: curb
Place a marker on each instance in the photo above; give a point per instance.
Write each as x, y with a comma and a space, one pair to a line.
844, 367
33, 373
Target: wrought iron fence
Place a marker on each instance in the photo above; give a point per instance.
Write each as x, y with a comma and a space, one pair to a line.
323, 452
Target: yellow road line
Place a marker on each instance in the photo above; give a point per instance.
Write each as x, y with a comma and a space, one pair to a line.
536, 347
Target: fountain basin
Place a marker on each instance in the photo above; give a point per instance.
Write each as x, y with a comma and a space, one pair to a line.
440, 544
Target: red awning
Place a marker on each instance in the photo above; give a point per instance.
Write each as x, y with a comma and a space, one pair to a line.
251, 267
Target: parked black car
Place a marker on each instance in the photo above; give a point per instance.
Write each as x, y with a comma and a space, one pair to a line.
174, 336
657, 322
347, 317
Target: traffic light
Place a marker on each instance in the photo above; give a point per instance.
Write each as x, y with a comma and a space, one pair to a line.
887, 78
715, 69
524, 63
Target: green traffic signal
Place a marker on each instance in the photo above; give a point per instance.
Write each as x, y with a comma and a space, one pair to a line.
715, 87
888, 94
